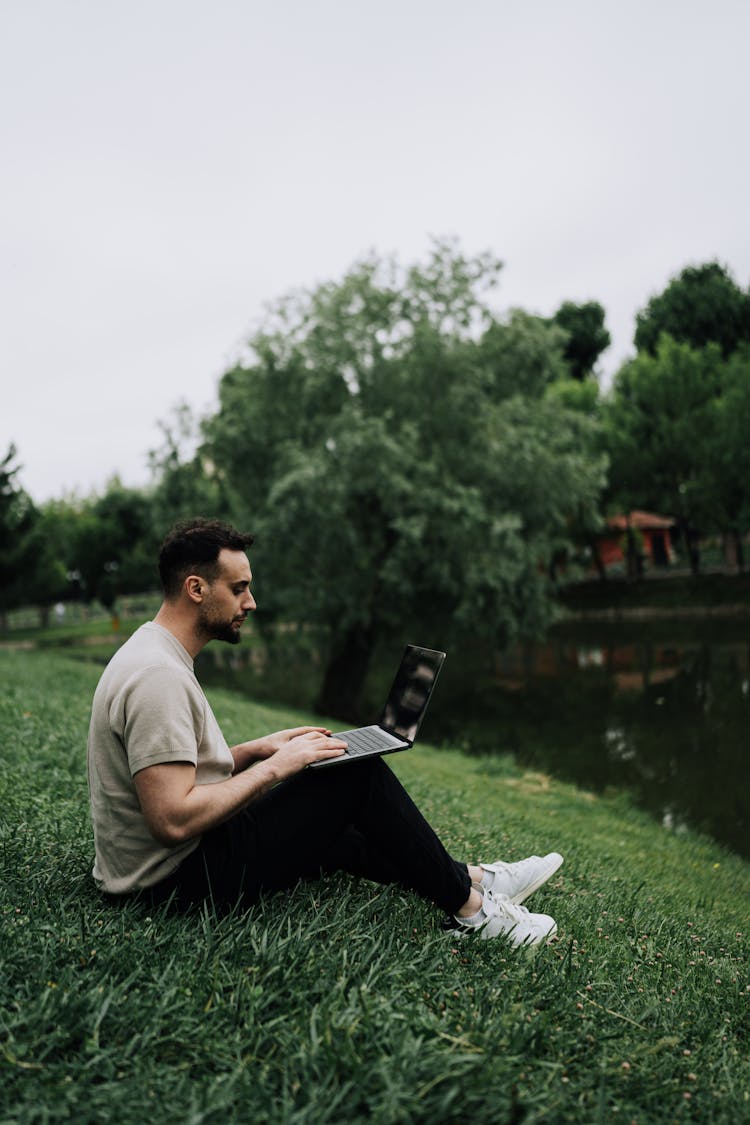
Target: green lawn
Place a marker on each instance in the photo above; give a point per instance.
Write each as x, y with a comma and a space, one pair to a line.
345, 1002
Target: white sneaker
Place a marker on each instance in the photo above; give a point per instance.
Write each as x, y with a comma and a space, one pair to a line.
499, 917
519, 880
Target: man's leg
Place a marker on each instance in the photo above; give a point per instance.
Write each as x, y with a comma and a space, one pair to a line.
386, 838
355, 817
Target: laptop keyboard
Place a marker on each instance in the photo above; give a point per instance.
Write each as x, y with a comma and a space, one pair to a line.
365, 740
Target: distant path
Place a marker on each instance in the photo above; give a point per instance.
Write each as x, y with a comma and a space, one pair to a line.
29, 645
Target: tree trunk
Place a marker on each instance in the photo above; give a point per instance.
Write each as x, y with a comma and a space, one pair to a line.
601, 570
633, 556
695, 553
739, 551
691, 540
344, 677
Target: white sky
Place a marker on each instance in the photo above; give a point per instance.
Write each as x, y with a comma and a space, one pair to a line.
169, 167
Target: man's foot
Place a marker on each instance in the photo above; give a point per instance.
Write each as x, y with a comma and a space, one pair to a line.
499, 917
519, 880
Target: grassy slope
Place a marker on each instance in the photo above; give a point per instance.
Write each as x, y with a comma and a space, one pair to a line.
344, 1002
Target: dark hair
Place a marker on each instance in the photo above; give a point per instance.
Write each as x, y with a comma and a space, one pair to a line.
192, 547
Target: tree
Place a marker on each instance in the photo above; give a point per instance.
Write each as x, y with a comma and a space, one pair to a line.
184, 481
390, 443
114, 545
701, 305
55, 532
586, 524
587, 336
31, 571
661, 433
17, 515
727, 481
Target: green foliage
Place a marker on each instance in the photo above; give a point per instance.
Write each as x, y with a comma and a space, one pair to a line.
17, 516
582, 396
96, 549
587, 336
113, 550
32, 568
184, 482
661, 429
342, 1001
392, 447
702, 305
677, 434
523, 355
728, 476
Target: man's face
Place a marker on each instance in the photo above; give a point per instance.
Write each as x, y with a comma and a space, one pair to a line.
227, 600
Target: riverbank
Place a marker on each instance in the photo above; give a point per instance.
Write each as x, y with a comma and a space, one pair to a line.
658, 594
343, 1002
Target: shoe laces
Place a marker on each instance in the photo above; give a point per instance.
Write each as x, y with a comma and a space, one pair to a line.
502, 904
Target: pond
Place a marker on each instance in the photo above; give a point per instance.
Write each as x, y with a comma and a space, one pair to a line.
660, 708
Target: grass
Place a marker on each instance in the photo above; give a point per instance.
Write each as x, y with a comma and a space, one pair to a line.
345, 1002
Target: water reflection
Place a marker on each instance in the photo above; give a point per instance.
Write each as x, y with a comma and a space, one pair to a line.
665, 717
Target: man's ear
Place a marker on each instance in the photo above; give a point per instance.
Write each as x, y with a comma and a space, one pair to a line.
195, 587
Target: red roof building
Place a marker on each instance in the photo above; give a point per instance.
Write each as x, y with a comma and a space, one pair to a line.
653, 532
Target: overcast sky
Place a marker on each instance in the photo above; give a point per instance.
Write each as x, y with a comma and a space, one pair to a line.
169, 167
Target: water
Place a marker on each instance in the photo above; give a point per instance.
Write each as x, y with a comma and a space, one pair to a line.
660, 710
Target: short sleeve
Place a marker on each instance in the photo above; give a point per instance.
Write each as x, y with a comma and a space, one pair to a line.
162, 716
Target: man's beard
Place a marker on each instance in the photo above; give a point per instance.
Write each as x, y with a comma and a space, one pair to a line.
226, 633
220, 630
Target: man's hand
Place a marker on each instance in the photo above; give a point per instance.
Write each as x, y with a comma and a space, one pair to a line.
261, 748
274, 742
301, 747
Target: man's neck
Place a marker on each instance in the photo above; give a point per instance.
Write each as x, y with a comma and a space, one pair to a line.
175, 621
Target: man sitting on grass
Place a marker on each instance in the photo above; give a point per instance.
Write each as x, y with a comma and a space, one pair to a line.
180, 816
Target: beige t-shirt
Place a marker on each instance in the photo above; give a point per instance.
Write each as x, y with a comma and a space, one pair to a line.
148, 709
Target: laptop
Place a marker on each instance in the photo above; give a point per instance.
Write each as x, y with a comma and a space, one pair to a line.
402, 714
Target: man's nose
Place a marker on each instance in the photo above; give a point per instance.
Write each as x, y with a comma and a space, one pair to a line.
249, 603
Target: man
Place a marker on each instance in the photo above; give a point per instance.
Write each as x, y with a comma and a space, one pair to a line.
180, 816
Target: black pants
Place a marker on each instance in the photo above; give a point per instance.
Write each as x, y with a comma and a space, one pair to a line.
356, 818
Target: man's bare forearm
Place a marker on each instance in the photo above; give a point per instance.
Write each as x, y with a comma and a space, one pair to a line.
176, 809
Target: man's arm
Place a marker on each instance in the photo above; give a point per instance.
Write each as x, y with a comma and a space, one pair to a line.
176, 809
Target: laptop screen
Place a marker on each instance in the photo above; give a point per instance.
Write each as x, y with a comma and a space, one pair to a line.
407, 700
